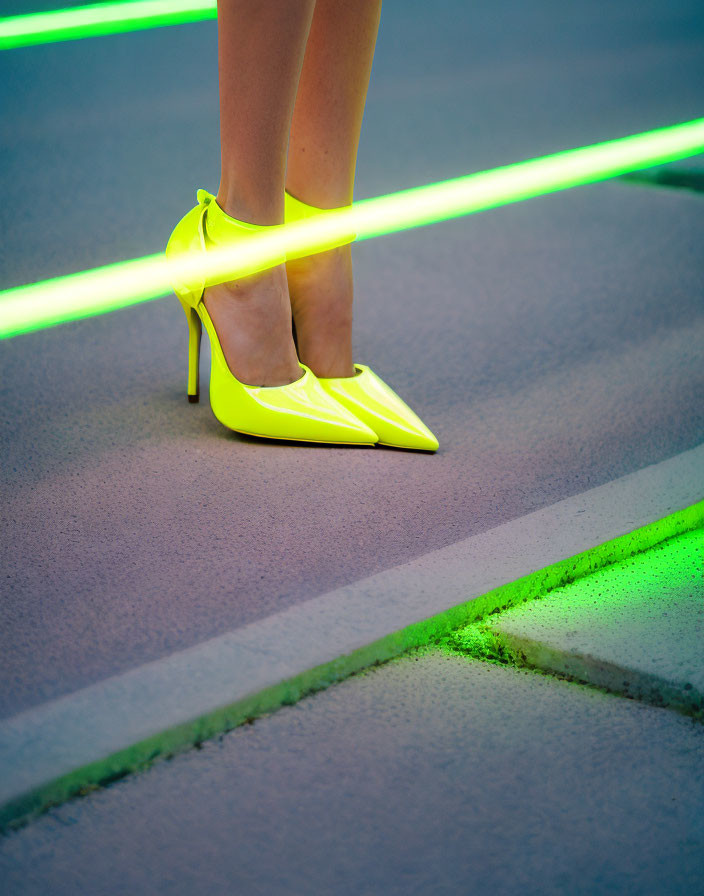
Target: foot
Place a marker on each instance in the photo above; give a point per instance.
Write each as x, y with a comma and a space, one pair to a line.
321, 291
252, 317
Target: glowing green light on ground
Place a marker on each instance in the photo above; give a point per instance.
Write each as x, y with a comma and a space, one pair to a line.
100, 18
91, 292
670, 572
629, 628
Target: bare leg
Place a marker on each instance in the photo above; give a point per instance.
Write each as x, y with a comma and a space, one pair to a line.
321, 164
260, 54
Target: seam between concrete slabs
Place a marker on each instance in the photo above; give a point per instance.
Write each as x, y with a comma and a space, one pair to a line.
601, 675
496, 640
54, 751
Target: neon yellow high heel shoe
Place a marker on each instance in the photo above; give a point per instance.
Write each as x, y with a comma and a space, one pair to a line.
368, 397
301, 411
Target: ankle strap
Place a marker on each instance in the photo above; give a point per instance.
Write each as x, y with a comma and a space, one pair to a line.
220, 228
297, 210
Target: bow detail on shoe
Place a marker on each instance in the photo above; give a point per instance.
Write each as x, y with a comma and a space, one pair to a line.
203, 197
206, 228
184, 252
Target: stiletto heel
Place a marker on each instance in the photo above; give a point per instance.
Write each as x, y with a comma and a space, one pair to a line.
195, 330
300, 411
366, 395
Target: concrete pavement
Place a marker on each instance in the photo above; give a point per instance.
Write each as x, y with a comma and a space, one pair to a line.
54, 750
554, 346
433, 774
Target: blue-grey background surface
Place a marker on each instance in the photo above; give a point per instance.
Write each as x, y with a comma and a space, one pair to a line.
552, 346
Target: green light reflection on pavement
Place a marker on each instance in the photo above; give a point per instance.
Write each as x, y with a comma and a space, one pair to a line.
665, 573
632, 628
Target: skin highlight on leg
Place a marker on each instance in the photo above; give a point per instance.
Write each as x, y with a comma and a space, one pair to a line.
322, 157
260, 54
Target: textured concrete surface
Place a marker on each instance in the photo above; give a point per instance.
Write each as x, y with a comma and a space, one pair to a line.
429, 775
52, 751
553, 346
636, 627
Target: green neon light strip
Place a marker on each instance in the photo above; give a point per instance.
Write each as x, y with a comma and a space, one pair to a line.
100, 18
104, 289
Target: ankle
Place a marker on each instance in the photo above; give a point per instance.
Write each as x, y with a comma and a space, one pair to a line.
321, 291
326, 355
331, 269
260, 210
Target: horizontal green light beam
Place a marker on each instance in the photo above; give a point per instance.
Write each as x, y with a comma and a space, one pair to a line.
26, 308
100, 18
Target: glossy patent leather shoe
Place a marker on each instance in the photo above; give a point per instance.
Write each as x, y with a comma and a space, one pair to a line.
376, 404
369, 398
300, 411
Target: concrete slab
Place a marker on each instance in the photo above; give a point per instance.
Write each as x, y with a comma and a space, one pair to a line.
431, 774
50, 752
636, 627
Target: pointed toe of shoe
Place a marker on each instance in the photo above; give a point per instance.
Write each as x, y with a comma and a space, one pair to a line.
304, 411
307, 412
373, 402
